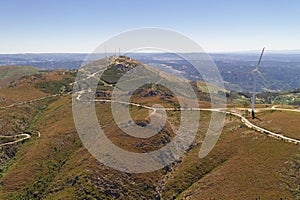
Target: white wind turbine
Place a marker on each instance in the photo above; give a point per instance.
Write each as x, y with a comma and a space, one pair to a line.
256, 72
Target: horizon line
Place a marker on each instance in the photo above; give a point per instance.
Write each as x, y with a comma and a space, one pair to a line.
208, 52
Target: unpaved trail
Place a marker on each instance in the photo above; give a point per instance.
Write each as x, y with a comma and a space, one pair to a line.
265, 131
29, 101
243, 119
23, 136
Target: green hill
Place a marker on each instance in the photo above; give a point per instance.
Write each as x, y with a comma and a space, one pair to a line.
12, 73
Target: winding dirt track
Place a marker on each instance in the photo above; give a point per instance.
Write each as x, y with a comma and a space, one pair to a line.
25, 136
22, 136
243, 119
265, 131
29, 101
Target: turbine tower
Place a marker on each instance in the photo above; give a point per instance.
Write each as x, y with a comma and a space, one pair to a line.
256, 72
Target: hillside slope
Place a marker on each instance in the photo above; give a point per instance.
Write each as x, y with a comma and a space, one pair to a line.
244, 164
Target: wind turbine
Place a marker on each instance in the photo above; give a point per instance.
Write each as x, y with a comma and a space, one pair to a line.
256, 72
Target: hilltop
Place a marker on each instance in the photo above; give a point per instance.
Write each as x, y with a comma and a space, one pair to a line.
281, 69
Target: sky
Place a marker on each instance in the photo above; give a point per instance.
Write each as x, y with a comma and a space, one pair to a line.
69, 26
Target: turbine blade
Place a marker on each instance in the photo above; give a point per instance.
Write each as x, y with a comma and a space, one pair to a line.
261, 55
260, 74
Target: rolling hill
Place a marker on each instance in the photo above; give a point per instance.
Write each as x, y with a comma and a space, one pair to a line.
12, 73
244, 164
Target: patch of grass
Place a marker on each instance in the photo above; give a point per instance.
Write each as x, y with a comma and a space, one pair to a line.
9, 153
282, 122
56, 87
112, 75
252, 170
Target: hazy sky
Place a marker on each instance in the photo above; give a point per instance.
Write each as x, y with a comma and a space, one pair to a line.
80, 26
